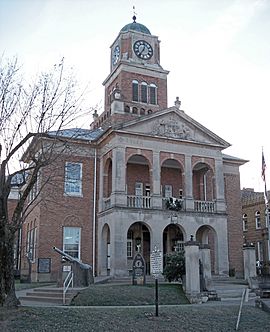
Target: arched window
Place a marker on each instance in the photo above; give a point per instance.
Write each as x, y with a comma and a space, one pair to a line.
245, 222
127, 109
149, 111
135, 90
144, 92
142, 111
153, 94
258, 219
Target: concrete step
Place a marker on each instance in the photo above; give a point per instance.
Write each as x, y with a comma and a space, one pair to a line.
54, 300
47, 295
50, 294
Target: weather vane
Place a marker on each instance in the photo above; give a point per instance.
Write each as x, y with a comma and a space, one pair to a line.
134, 15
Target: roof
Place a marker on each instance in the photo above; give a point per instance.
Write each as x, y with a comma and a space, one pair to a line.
79, 133
134, 26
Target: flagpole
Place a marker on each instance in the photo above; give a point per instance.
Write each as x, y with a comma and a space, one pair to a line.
266, 206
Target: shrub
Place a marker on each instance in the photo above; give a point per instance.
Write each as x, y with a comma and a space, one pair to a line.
174, 266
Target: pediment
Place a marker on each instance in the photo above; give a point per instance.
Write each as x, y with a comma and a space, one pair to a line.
174, 123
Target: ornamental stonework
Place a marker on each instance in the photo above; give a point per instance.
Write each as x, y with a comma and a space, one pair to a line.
172, 128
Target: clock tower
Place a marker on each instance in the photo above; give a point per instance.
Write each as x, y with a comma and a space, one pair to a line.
137, 83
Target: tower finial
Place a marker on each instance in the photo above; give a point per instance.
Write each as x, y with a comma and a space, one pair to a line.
134, 15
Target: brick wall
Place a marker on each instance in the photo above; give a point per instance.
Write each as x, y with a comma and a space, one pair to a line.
235, 233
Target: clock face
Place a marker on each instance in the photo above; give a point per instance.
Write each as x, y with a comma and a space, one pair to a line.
143, 49
116, 54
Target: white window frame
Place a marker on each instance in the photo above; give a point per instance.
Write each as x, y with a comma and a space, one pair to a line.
71, 184
258, 220
65, 235
129, 248
245, 222
144, 88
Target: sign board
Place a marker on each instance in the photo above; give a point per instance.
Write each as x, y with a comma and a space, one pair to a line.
138, 269
156, 263
44, 265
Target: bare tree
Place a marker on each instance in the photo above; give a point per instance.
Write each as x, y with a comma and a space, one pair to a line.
29, 113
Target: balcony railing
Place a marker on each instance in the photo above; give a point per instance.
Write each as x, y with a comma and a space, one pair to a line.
175, 204
140, 202
205, 206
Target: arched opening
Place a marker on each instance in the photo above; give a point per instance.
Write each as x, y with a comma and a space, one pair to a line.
173, 239
172, 184
207, 235
203, 183
138, 241
105, 263
138, 182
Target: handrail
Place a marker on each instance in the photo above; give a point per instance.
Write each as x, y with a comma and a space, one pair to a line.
68, 280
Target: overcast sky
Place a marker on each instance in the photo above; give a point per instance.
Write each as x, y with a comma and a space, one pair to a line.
217, 52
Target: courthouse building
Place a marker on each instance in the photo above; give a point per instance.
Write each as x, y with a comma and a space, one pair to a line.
144, 175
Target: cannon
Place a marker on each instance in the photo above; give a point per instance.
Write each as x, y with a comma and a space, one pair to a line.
82, 273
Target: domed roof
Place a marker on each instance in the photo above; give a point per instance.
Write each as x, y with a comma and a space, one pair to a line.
134, 26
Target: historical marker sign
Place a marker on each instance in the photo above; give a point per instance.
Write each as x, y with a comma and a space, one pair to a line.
156, 263
138, 276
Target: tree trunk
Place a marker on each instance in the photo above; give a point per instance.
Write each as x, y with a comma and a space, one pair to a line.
7, 282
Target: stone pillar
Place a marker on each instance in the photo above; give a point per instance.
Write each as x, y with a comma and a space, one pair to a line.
118, 177
249, 261
205, 258
220, 195
192, 256
157, 202
188, 184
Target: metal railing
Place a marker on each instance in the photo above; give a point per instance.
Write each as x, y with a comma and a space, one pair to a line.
140, 202
205, 206
68, 280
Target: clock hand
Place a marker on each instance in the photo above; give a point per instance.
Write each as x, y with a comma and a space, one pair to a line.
142, 50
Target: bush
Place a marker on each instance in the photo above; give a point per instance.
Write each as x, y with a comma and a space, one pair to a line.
174, 266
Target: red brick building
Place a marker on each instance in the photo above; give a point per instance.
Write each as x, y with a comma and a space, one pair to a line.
143, 176
255, 223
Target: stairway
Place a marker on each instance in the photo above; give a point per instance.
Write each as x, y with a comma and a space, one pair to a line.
46, 296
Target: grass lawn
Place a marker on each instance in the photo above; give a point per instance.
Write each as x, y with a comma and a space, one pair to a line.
129, 295
188, 318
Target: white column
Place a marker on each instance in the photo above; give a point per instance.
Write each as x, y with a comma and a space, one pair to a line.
118, 177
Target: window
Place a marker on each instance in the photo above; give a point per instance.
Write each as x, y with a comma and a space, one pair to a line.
144, 92
135, 91
167, 190
72, 241
129, 244
153, 94
245, 222
73, 179
31, 244
180, 193
258, 219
